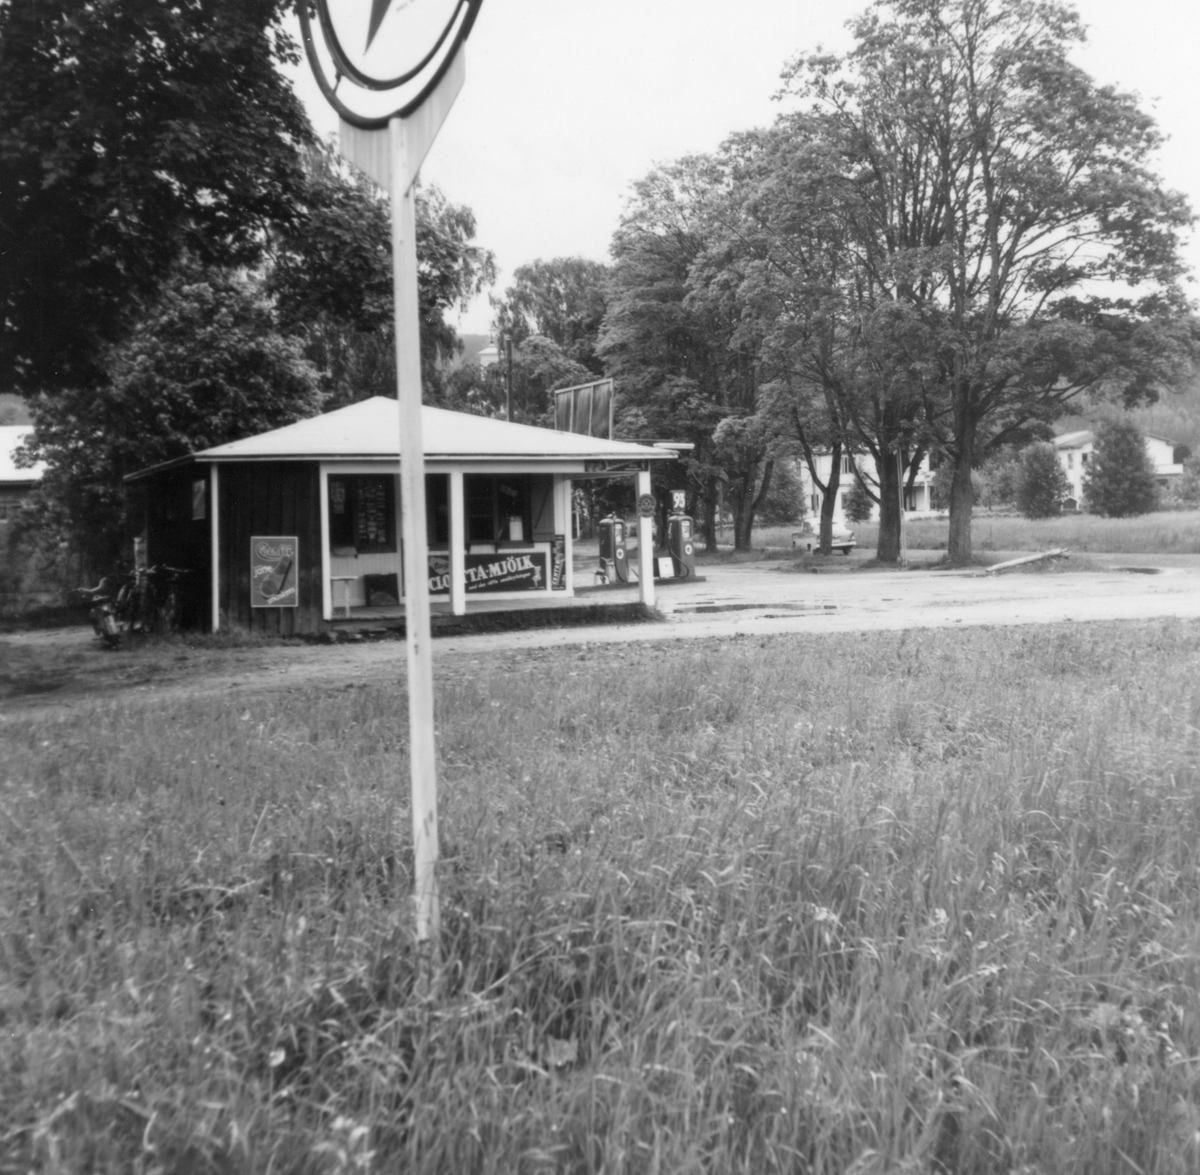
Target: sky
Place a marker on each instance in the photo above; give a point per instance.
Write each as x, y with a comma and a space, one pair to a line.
568, 102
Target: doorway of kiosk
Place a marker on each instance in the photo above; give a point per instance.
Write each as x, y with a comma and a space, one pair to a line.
509, 509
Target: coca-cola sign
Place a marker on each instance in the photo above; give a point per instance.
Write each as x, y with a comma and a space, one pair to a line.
273, 576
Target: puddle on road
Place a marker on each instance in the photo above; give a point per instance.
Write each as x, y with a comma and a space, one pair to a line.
1140, 570
741, 607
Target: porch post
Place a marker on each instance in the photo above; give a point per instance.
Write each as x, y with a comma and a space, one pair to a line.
645, 529
458, 575
566, 520
214, 543
323, 506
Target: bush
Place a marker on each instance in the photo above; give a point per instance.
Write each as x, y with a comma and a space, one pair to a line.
998, 481
1119, 481
858, 507
943, 479
1185, 494
784, 503
1041, 484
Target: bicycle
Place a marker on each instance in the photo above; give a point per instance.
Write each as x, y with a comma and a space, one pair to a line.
144, 601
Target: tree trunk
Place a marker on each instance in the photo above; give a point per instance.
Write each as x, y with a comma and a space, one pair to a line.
962, 498
829, 501
710, 516
743, 520
962, 493
888, 547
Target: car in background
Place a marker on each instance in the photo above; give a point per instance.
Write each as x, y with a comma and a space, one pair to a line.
810, 539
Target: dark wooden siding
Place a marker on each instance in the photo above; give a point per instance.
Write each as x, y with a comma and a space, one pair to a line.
161, 508
270, 498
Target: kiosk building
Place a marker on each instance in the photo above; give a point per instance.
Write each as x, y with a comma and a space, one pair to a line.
291, 530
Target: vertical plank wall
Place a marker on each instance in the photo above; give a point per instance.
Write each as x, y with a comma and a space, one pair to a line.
270, 498
161, 509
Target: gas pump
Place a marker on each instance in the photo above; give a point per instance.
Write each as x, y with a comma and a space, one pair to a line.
614, 556
680, 541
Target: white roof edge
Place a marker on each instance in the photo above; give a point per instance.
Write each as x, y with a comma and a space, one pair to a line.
214, 458
369, 429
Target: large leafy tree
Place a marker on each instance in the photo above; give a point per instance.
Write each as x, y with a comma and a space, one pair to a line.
562, 300
1009, 209
673, 338
205, 365
131, 131
331, 272
832, 339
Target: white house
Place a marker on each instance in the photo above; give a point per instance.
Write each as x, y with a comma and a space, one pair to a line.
918, 499
1075, 451
15, 482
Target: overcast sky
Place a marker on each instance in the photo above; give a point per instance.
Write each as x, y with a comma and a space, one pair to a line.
568, 102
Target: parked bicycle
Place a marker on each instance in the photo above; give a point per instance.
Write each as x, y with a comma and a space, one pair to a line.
145, 600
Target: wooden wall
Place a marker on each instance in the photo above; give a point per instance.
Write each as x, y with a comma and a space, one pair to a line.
161, 508
270, 498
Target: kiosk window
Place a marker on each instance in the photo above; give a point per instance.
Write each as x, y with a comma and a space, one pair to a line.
362, 512
491, 501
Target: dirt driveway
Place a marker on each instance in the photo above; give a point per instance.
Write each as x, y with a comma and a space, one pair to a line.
47, 671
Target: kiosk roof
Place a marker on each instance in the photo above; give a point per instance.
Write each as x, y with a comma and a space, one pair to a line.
371, 428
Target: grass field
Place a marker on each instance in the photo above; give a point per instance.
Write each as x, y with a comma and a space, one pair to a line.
897, 903
1172, 532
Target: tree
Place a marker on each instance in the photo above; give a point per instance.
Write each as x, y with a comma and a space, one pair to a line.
1005, 194
836, 342
563, 300
943, 481
131, 131
997, 480
204, 366
680, 368
859, 504
331, 273
1119, 480
1187, 493
539, 368
784, 504
1041, 485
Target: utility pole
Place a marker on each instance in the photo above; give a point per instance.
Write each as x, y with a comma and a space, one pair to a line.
508, 377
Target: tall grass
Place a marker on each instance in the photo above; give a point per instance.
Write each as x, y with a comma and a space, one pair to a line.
1176, 532
870, 904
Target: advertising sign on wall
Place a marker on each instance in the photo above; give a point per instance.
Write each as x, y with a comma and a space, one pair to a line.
273, 571
515, 571
558, 563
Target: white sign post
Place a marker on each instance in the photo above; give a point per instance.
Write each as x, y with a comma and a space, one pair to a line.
391, 149
392, 158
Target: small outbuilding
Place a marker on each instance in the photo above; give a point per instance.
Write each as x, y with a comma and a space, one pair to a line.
295, 529
16, 481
